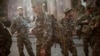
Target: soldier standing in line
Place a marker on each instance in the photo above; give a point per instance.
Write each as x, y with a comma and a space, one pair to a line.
85, 29
43, 30
58, 37
20, 25
5, 41
68, 26
96, 31
96, 36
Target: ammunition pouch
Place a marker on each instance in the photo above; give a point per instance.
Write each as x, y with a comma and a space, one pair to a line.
86, 29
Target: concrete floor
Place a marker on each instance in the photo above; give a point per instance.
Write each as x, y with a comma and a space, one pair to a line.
55, 51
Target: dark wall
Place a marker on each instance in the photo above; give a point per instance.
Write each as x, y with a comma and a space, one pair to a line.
3, 8
4, 13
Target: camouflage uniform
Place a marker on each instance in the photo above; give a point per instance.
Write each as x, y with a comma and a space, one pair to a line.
85, 31
58, 37
96, 37
5, 41
68, 27
20, 26
81, 10
43, 33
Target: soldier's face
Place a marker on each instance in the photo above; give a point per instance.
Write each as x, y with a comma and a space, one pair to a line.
67, 15
20, 11
37, 9
71, 13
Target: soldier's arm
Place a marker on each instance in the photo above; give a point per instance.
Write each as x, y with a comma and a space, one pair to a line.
48, 29
27, 19
93, 22
97, 21
62, 22
73, 25
81, 20
13, 26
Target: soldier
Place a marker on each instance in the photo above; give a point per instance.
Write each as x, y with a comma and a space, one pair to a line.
96, 37
68, 26
5, 41
58, 37
81, 10
43, 30
85, 29
96, 31
21, 28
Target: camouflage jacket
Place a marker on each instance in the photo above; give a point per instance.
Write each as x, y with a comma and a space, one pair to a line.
96, 29
68, 25
85, 26
20, 25
96, 24
55, 27
43, 29
83, 18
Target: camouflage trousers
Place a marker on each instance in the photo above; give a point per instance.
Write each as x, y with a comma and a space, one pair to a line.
86, 43
71, 45
24, 41
66, 44
39, 44
62, 43
96, 47
47, 48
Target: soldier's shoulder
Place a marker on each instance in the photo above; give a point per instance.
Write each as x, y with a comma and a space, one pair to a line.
82, 17
62, 20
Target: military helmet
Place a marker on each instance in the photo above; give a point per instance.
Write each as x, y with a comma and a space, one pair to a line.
67, 10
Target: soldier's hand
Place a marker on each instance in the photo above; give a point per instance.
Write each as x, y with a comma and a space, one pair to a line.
86, 21
32, 31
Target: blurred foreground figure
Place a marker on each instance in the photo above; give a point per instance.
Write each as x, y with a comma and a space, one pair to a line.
68, 26
42, 31
20, 26
96, 31
5, 21
5, 41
